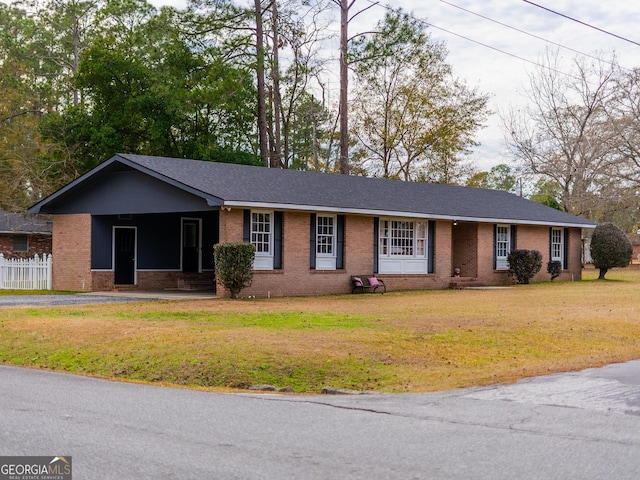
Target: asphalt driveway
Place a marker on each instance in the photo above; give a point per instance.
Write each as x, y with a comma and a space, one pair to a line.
102, 297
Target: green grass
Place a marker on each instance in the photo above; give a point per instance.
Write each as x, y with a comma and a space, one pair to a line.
33, 292
398, 342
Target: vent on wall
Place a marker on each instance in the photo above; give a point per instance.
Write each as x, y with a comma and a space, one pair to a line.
124, 216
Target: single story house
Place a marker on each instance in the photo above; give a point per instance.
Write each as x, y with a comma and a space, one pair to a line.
24, 236
148, 223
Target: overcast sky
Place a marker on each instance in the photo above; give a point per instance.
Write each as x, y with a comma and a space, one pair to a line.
502, 75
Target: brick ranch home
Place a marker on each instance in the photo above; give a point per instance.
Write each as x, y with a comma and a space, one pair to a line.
150, 223
23, 236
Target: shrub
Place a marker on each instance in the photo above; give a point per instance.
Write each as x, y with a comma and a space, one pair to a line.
234, 265
554, 268
524, 264
610, 248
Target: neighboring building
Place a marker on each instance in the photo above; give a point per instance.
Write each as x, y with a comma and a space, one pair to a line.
23, 236
151, 222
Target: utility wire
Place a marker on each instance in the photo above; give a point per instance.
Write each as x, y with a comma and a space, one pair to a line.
525, 32
540, 65
581, 22
422, 20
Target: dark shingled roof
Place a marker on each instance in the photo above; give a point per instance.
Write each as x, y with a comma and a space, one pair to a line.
241, 185
23, 224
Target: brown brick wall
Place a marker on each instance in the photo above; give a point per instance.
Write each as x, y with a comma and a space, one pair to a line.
72, 257
474, 256
72, 252
529, 237
465, 248
574, 272
296, 278
231, 225
38, 245
160, 280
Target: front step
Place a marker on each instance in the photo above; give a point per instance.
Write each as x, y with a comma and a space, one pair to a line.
194, 282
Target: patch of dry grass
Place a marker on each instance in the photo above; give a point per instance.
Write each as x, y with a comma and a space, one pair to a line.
398, 342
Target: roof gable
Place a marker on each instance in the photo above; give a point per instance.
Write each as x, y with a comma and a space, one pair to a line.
248, 186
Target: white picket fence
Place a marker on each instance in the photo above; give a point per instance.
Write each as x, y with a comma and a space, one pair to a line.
26, 273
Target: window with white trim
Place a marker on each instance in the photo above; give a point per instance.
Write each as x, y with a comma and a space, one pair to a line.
262, 232
262, 239
403, 246
557, 244
326, 242
503, 246
326, 236
403, 238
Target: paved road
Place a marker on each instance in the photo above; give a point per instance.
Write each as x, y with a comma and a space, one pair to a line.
582, 426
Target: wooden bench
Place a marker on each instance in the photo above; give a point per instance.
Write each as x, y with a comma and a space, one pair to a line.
367, 284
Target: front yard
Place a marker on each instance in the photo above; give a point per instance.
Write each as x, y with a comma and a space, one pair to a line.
397, 342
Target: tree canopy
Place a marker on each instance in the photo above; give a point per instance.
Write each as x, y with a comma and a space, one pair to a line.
413, 119
81, 80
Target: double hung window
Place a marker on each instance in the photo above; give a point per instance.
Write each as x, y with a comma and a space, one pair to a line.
557, 245
262, 239
326, 236
503, 246
326, 241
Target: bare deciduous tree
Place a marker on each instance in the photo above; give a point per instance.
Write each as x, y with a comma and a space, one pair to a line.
566, 135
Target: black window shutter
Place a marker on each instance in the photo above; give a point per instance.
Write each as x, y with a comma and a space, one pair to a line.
376, 232
495, 246
431, 245
550, 244
514, 237
312, 241
565, 260
277, 240
246, 231
340, 243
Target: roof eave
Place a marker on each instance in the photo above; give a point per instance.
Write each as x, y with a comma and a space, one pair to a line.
23, 232
393, 213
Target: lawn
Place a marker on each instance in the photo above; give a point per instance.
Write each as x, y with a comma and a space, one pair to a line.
397, 342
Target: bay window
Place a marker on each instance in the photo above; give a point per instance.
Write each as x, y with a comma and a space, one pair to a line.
403, 246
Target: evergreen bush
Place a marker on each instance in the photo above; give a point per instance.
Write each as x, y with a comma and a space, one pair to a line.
610, 248
524, 264
234, 265
554, 268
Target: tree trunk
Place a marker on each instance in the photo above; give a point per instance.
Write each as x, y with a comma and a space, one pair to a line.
262, 111
603, 272
276, 148
344, 85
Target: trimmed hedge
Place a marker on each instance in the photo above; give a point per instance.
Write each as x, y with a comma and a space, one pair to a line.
610, 248
554, 268
524, 264
234, 265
